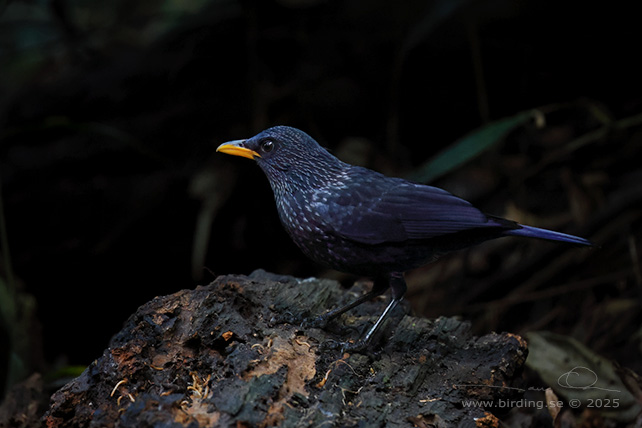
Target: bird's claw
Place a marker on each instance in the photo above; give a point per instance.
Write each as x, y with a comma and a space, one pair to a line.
354, 347
344, 347
285, 318
315, 322
331, 345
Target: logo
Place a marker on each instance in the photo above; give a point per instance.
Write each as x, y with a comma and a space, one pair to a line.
582, 378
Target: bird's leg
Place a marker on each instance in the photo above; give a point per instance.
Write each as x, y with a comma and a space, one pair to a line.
379, 287
321, 321
398, 289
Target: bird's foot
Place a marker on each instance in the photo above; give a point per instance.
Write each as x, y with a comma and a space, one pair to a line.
331, 345
355, 347
286, 318
349, 347
300, 320
315, 322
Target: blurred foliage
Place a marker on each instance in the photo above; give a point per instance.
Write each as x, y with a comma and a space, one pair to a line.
42, 36
19, 339
20, 350
469, 147
581, 376
110, 113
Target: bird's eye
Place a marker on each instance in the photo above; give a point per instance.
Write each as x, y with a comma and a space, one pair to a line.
267, 146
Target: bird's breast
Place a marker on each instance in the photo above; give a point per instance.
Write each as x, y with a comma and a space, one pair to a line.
301, 216
305, 217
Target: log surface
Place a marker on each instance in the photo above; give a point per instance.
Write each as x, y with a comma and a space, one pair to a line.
211, 357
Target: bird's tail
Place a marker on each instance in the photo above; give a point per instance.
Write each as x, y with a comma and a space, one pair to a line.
535, 232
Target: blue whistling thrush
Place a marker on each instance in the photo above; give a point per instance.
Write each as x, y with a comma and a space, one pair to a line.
359, 221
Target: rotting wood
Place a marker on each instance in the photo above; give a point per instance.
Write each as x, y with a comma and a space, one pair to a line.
209, 357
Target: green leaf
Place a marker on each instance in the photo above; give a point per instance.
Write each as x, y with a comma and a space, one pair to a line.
582, 377
469, 147
65, 373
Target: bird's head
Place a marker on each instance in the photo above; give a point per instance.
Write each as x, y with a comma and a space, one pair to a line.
283, 152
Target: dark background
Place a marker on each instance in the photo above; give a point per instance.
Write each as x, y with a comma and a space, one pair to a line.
110, 115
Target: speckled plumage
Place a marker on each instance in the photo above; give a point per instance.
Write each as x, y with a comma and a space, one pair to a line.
359, 221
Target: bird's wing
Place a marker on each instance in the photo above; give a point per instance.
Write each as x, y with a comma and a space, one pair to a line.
395, 210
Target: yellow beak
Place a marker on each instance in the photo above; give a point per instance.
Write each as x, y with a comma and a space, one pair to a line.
236, 148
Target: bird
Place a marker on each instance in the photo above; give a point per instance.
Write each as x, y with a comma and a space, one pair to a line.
359, 221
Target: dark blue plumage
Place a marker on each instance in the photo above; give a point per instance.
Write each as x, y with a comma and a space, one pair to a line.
359, 221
